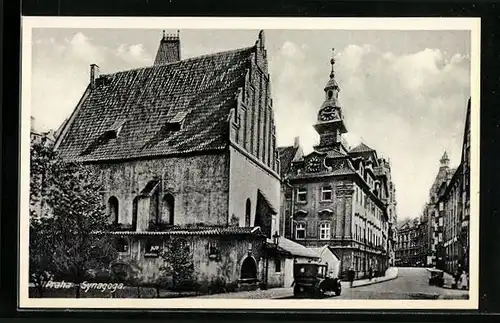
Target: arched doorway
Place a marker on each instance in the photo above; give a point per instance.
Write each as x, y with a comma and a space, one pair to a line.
249, 268
248, 210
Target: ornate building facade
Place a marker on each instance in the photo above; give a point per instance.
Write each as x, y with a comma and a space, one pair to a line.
338, 196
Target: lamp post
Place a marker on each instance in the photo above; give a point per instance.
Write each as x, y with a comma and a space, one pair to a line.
276, 239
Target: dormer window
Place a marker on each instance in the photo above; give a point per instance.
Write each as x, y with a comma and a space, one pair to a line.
177, 121
115, 129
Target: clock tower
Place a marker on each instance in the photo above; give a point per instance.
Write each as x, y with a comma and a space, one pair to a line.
330, 125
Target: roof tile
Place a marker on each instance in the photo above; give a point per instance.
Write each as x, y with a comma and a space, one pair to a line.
200, 90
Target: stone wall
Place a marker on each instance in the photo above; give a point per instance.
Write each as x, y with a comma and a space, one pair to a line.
199, 185
216, 259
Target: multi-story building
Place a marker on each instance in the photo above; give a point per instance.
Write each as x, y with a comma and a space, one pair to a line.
337, 195
454, 204
433, 249
176, 144
409, 244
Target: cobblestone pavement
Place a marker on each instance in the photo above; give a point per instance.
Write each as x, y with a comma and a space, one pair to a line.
411, 283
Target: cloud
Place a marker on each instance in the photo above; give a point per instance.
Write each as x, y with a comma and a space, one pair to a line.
409, 107
61, 70
134, 54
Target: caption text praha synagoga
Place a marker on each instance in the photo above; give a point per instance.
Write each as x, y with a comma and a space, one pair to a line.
187, 149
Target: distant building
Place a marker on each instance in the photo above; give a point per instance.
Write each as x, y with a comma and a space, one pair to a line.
433, 246
338, 196
454, 209
409, 244
186, 149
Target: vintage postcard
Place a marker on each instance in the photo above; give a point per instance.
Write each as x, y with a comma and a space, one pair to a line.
250, 163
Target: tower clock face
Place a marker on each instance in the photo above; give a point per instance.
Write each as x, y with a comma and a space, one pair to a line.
314, 164
328, 114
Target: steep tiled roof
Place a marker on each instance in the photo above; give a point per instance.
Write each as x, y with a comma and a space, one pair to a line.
195, 231
286, 155
361, 148
146, 100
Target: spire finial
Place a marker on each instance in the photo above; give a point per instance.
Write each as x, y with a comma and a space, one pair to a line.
332, 62
163, 33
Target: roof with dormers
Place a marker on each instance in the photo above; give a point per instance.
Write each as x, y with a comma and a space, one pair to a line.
203, 89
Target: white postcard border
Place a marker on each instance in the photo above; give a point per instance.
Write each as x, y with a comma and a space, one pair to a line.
28, 23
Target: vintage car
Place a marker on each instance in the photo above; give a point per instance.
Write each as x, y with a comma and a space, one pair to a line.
436, 277
312, 279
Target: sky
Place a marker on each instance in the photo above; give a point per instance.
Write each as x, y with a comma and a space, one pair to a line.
403, 93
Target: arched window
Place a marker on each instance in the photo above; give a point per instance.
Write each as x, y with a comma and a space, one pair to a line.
248, 210
249, 269
168, 207
134, 213
113, 209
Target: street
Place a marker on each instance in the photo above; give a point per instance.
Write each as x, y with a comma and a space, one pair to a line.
411, 283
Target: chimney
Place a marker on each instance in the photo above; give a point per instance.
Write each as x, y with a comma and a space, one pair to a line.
296, 142
169, 50
94, 74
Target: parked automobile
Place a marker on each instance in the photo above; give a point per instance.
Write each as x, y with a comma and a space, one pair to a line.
312, 279
436, 277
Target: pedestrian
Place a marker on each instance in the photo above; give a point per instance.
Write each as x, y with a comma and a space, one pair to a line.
464, 280
370, 273
456, 277
350, 276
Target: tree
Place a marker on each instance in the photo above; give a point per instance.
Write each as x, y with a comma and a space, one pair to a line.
40, 253
69, 194
178, 263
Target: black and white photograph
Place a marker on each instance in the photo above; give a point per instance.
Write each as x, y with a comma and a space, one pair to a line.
249, 163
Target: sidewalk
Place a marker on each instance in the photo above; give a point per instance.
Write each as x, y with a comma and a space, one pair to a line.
272, 293
390, 274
